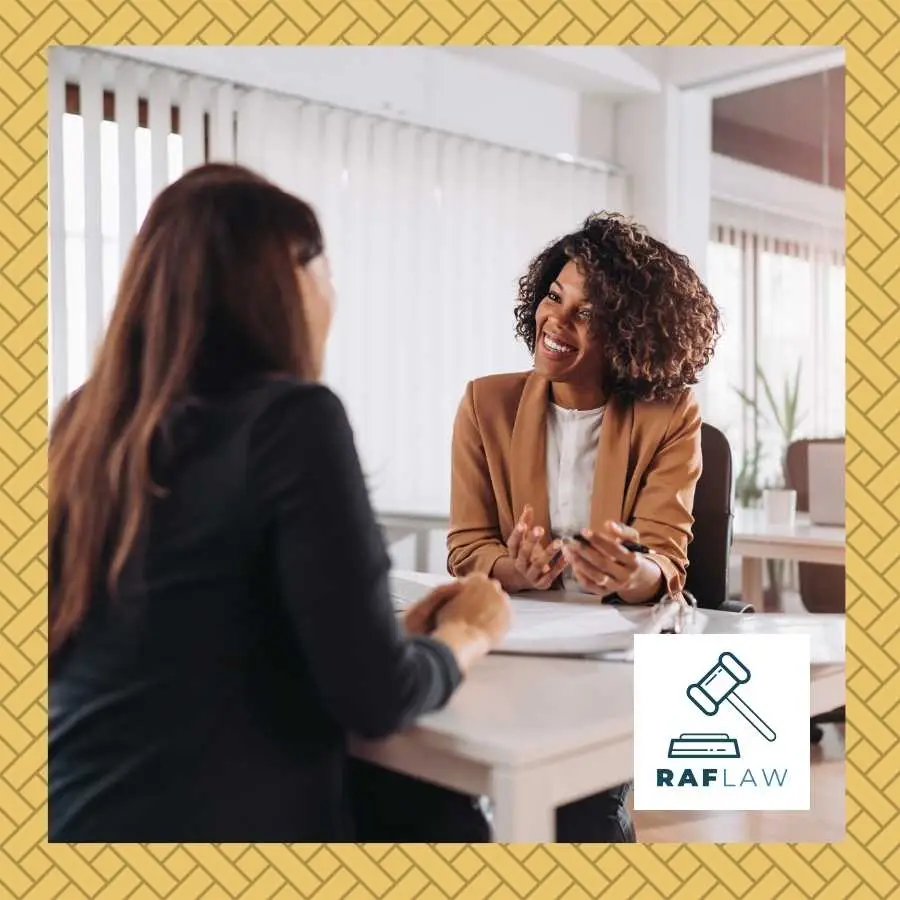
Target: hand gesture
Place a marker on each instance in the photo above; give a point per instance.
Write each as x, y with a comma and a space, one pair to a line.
537, 564
602, 564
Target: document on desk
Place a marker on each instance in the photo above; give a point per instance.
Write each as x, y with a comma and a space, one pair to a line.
544, 626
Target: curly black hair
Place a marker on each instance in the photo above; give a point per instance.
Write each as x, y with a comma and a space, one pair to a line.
655, 319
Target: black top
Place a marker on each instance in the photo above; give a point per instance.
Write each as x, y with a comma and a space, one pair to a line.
253, 628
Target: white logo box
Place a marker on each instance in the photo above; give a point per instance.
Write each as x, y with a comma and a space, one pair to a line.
721, 722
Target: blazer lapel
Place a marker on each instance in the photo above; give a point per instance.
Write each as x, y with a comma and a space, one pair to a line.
528, 453
611, 470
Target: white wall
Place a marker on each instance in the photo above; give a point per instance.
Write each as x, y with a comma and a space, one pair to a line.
664, 141
597, 128
736, 183
642, 132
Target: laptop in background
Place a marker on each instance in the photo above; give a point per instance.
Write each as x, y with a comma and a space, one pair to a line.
827, 479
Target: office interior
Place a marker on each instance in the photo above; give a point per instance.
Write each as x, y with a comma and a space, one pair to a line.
438, 174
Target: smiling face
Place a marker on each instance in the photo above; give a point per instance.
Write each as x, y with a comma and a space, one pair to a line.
566, 349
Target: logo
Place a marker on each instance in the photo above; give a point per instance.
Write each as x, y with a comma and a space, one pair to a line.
721, 722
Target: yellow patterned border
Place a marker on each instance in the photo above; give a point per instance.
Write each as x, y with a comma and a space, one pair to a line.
867, 864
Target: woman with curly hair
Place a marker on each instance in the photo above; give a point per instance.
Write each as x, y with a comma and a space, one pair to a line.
601, 440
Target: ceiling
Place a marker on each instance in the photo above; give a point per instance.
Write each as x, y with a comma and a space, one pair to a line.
710, 66
617, 72
590, 70
620, 72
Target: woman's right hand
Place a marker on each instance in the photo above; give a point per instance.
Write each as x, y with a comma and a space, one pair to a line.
529, 563
474, 620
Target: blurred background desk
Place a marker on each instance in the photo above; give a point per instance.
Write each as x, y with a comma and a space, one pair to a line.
399, 525
754, 540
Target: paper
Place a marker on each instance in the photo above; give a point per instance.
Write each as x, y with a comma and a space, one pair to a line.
540, 627
553, 628
546, 624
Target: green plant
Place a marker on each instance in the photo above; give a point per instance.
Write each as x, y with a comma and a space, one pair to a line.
747, 489
785, 417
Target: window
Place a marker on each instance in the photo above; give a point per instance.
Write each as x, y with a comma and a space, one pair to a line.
783, 307
726, 371
78, 304
836, 342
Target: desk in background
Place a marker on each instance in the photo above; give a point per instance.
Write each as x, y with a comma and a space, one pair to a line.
535, 733
754, 540
398, 526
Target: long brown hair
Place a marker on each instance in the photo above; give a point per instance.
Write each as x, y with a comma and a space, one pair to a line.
208, 297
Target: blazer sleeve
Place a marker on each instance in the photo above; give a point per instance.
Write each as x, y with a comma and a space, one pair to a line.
474, 541
663, 510
331, 569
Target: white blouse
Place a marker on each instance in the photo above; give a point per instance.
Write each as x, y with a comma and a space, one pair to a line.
572, 437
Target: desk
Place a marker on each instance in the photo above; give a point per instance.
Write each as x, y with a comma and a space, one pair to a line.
755, 540
400, 525
535, 733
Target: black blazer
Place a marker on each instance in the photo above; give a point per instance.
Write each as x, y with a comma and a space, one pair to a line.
253, 628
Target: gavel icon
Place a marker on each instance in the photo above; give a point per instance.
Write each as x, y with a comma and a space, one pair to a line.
719, 685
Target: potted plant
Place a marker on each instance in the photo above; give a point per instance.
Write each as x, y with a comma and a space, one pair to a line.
779, 501
785, 416
747, 490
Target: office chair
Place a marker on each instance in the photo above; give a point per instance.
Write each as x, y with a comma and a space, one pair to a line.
822, 588
710, 550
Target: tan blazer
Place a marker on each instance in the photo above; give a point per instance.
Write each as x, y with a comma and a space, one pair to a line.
648, 463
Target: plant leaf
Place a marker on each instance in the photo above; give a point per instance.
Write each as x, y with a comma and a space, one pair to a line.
795, 405
747, 399
771, 398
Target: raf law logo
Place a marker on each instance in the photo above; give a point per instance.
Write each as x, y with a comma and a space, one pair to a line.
721, 727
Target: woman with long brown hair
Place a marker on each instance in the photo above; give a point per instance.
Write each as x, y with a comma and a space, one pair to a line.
219, 606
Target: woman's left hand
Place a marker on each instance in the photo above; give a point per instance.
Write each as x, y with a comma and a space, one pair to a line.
603, 566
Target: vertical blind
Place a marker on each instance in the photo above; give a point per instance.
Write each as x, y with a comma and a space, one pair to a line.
114, 143
427, 233
781, 291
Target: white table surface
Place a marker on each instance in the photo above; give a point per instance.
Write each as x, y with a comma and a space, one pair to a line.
534, 733
755, 541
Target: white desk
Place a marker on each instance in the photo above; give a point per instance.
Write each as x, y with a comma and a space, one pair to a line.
755, 541
535, 733
400, 525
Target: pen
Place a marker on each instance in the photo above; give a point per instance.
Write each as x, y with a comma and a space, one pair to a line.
628, 545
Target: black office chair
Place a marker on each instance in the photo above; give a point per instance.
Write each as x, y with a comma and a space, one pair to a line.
710, 550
